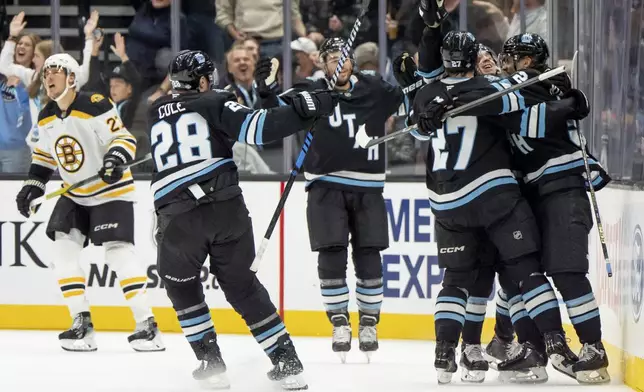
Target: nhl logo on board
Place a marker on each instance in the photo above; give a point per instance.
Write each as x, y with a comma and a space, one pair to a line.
517, 235
637, 274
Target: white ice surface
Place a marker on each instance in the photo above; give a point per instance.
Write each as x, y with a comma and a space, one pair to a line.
34, 361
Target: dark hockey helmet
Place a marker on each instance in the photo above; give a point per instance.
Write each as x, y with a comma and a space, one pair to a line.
459, 51
188, 67
334, 44
526, 45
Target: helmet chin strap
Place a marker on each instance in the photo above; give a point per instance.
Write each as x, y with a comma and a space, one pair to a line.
66, 90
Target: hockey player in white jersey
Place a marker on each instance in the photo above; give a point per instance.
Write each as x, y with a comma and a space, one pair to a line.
82, 134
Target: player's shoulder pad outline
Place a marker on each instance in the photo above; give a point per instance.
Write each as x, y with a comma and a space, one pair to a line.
92, 104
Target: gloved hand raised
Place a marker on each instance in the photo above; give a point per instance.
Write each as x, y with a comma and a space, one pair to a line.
404, 69
266, 76
315, 104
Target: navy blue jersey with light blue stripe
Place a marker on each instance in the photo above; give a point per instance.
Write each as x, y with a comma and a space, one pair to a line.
192, 135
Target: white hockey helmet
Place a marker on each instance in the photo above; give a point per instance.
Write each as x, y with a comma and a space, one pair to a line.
66, 62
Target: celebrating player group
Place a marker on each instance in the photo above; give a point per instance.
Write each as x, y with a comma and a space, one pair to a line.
507, 183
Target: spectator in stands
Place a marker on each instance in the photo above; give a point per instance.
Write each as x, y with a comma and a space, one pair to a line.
484, 20
204, 33
306, 54
325, 18
241, 69
536, 18
259, 18
29, 76
15, 123
150, 39
252, 46
123, 82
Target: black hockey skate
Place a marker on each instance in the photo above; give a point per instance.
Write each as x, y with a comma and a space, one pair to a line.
445, 361
146, 337
80, 337
211, 373
473, 364
526, 365
368, 336
559, 353
592, 365
341, 343
497, 350
287, 368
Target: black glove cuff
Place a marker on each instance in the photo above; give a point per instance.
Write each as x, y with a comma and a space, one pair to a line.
35, 183
117, 155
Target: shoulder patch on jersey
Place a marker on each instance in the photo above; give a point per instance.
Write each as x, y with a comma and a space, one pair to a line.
492, 78
91, 105
96, 98
368, 72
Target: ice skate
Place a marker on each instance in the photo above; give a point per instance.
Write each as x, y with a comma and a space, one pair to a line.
445, 361
287, 368
525, 365
80, 337
341, 343
497, 350
592, 365
473, 364
559, 353
368, 336
146, 337
211, 373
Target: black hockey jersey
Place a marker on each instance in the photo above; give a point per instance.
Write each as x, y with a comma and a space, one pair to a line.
544, 153
470, 155
335, 159
192, 135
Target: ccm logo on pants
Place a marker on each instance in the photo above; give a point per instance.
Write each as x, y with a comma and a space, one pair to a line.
453, 249
106, 226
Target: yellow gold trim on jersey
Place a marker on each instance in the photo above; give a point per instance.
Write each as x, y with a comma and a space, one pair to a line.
109, 191
81, 115
91, 189
43, 159
46, 121
120, 192
70, 153
96, 98
126, 143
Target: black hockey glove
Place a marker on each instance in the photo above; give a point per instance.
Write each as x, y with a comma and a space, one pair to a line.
582, 107
315, 104
431, 117
266, 77
433, 12
112, 171
31, 190
405, 74
560, 84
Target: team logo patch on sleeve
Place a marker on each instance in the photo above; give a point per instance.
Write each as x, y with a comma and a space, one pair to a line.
96, 98
70, 153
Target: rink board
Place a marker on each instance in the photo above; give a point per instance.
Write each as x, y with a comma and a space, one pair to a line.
30, 298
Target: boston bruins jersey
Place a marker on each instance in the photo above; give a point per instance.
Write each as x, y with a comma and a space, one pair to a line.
75, 141
470, 157
335, 159
192, 135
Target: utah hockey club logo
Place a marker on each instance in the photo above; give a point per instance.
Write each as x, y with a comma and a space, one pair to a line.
69, 153
518, 235
637, 274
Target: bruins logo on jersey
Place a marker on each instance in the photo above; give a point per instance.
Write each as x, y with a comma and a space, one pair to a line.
96, 98
70, 153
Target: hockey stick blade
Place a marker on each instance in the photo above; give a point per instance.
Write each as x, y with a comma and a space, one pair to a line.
62, 191
344, 55
455, 112
361, 137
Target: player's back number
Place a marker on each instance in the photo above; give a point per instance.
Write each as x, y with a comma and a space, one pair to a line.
191, 136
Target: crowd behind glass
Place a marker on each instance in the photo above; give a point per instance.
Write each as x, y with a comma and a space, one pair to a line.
126, 51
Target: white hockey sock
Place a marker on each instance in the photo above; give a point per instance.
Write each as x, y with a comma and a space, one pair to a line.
66, 267
122, 259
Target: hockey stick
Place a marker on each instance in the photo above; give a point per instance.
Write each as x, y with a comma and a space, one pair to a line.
365, 140
84, 182
307, 141
591, 187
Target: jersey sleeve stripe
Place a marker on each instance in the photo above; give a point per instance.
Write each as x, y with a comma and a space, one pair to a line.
259, 139
41, 152
252, 128
244, 128
126, 144
542, 120
534, 115
523, 129
38, 160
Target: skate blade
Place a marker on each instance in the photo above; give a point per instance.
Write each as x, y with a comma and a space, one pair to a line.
557, 363
368, 355
342, 355
87, 344
443, 376
599, 376
492, 361
535, 375
477, 376
144, 345
217, 381
293, 383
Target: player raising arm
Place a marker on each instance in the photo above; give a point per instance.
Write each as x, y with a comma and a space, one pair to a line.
82, 134
201, 210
